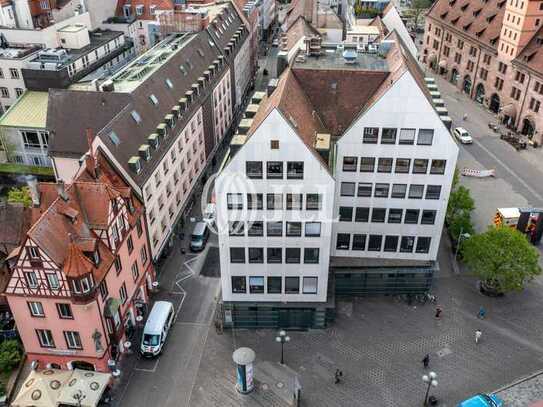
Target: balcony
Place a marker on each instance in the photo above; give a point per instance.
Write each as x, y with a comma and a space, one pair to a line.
84, 298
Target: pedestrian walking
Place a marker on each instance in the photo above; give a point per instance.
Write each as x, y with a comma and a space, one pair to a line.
478, 335
465, 117
337, 376
438, 312
482, 313
426, 361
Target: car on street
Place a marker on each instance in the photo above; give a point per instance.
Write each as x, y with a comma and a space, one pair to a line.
462, 135
199, 236
482, 400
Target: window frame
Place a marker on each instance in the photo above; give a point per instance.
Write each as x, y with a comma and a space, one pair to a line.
240, 259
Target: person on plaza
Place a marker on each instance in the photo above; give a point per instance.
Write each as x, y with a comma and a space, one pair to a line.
426, 361
478, 335
465, 117
482, 313
438, 312
337, 376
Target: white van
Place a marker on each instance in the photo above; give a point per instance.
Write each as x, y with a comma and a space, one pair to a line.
156, 328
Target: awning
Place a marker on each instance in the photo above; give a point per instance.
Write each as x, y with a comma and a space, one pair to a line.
509, 110
83, 389
111, 307
443, 64
41, 388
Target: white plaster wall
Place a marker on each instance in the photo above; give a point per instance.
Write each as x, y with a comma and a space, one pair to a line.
393, 21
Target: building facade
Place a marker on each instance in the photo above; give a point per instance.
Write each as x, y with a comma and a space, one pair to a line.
492, 52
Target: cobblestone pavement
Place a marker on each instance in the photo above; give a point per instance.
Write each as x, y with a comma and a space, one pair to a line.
523, 392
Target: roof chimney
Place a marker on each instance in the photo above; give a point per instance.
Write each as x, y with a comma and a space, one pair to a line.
61, 190
32, 183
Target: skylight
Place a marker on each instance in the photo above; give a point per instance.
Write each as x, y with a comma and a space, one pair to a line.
169, 83
114, 138
136, 116
153, 99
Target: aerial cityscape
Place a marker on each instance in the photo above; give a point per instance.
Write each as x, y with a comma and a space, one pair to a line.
271, 203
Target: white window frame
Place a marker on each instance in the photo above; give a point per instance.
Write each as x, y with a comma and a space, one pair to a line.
36, 309
52, 280
73, 340
45, 337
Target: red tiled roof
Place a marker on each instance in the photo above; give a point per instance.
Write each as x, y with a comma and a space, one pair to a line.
76, 264
298, 8
159, 5
300, 28
532, 54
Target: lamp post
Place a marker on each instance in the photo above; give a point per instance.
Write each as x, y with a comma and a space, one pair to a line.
431, 379
461, 236
282, 338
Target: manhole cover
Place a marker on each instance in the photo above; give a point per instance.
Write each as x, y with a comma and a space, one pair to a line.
444, 352
279, 385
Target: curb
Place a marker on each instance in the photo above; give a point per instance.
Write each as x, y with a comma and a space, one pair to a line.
519, 381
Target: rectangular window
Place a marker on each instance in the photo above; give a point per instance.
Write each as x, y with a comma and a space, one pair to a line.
256, 285
406, 245
292, 255
274, 201
274, 228
31, 279
313, 202
36, 309
395, 215
426, 137
294, 201
274, 255
388, 136
118, 264
236, 228
255, 201
45, 337
384, 165
416, 191
374, 243
274, 170
237, 255
423, 244
347, 189
294, 229
312, 229
420, 166
350, 164
433, 191
367, 164
64, 311
52, 280
274, 144
103, 290
398, 190
402, 165
407, 136
311, 255
343, 241
371, 135
130, 244
310, 285
359, 242
234, 201
345, 214
292, 285
274, 285
381, 190
364, 189
253, 169
239, 285
411, 216
295, 170
378, 215
256, 228
362, 215
391, 243
438, 167
135, 271
123, 295
428, 217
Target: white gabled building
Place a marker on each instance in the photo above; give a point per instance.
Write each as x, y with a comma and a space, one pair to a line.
381, 161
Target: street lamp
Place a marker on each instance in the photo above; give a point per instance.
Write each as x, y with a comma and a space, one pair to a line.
282, 338
430, 378
461, 236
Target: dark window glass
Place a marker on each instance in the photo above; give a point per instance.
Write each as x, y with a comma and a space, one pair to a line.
295, 170
234, 201
274, 201
395, 215
312, 229
313, 202
239, 284
420, 166
423, 244
294, 228
253, 169
236, 228
391, 243
292, 285
294, 201
370, 135
274, 285
292, 254
402, 165
275, 255
411, 216
311, 255
374, 243
398, 190
359, 242
362, 215
367, 164
378, 215
345, 214
255, 201
274, 228
256, 255
428, 217
343, 241
406, 245
381, 190
275, 169
237, 255
438, 167
384, 165
388, 136
347, 188
350, 164
433, 191
364, 189
256, 285
407, 136
425, 137
256, 229
416, 191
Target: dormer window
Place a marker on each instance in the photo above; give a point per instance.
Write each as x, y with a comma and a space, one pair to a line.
114, 205
96, 257
130, 205
139, 9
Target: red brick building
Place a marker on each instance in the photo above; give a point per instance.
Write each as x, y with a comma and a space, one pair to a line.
492, 51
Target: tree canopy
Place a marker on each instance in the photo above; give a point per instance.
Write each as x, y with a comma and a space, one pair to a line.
20, 195
418, 7
502, 258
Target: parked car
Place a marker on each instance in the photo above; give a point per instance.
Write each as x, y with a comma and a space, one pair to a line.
482, 400
275, 42
462, 135
199, 237
156, 328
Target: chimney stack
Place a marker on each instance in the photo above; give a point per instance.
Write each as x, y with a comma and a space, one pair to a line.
61, 190
32, 183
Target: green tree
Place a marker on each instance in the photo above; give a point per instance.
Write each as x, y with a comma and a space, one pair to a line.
502, 258
10, 355
20, 195
417, 8
460, 203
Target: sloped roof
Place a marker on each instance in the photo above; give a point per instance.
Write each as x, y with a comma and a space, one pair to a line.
146, 15
301, 28
29, 111
532, 53
76, 263
15, 221
298, 8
